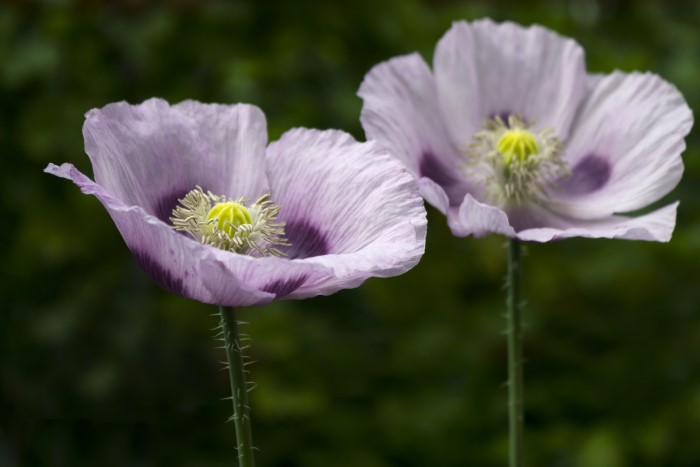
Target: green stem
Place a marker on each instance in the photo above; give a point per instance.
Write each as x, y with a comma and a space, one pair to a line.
239, 391
515, 359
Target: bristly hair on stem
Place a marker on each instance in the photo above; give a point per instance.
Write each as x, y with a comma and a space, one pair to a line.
239, 386
515, 359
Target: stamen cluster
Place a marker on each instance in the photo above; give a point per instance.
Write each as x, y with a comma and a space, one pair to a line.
536, 167
255, 232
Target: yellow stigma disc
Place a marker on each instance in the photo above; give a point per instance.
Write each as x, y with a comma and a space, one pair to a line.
517, 142
229, 216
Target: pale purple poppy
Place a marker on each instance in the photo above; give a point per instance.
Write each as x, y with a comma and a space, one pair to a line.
212, 213
509, 134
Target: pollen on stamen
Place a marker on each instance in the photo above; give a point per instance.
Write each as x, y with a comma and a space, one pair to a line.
231, 225
516, 142
514, 163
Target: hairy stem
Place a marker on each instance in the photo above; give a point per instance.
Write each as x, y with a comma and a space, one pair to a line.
239, 391
515, 360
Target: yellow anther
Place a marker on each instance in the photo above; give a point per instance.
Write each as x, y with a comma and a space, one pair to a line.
229, 216
516, 142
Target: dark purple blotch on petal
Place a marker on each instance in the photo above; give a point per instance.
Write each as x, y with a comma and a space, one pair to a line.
431, 167
590, 174
163, 208
158, 273
522, 218
306, 240
282, 288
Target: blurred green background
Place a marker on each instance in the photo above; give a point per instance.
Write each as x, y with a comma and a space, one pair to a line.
99, 367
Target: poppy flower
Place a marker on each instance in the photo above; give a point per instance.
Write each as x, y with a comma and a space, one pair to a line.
212, 213
509, 134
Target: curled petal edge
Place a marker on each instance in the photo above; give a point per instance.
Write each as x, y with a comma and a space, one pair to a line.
434, 194
192, 252
478, 219
656, 226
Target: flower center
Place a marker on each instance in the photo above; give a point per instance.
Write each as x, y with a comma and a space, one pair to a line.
517, 142
231, 225
513, 162
228, 216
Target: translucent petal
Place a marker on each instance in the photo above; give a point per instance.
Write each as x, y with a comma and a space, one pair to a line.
401, 111
485, 69
152, 154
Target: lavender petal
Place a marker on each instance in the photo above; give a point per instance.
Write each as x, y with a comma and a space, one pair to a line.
151, 154
626, 147
484, 69
356, 204
401, 111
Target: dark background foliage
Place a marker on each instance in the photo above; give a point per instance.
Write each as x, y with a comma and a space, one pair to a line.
99, 367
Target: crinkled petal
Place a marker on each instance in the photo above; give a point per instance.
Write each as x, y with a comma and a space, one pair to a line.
401, 111
656, 226
152, 154
327, 175
349, 206
174, 261
626, 145
484, 69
